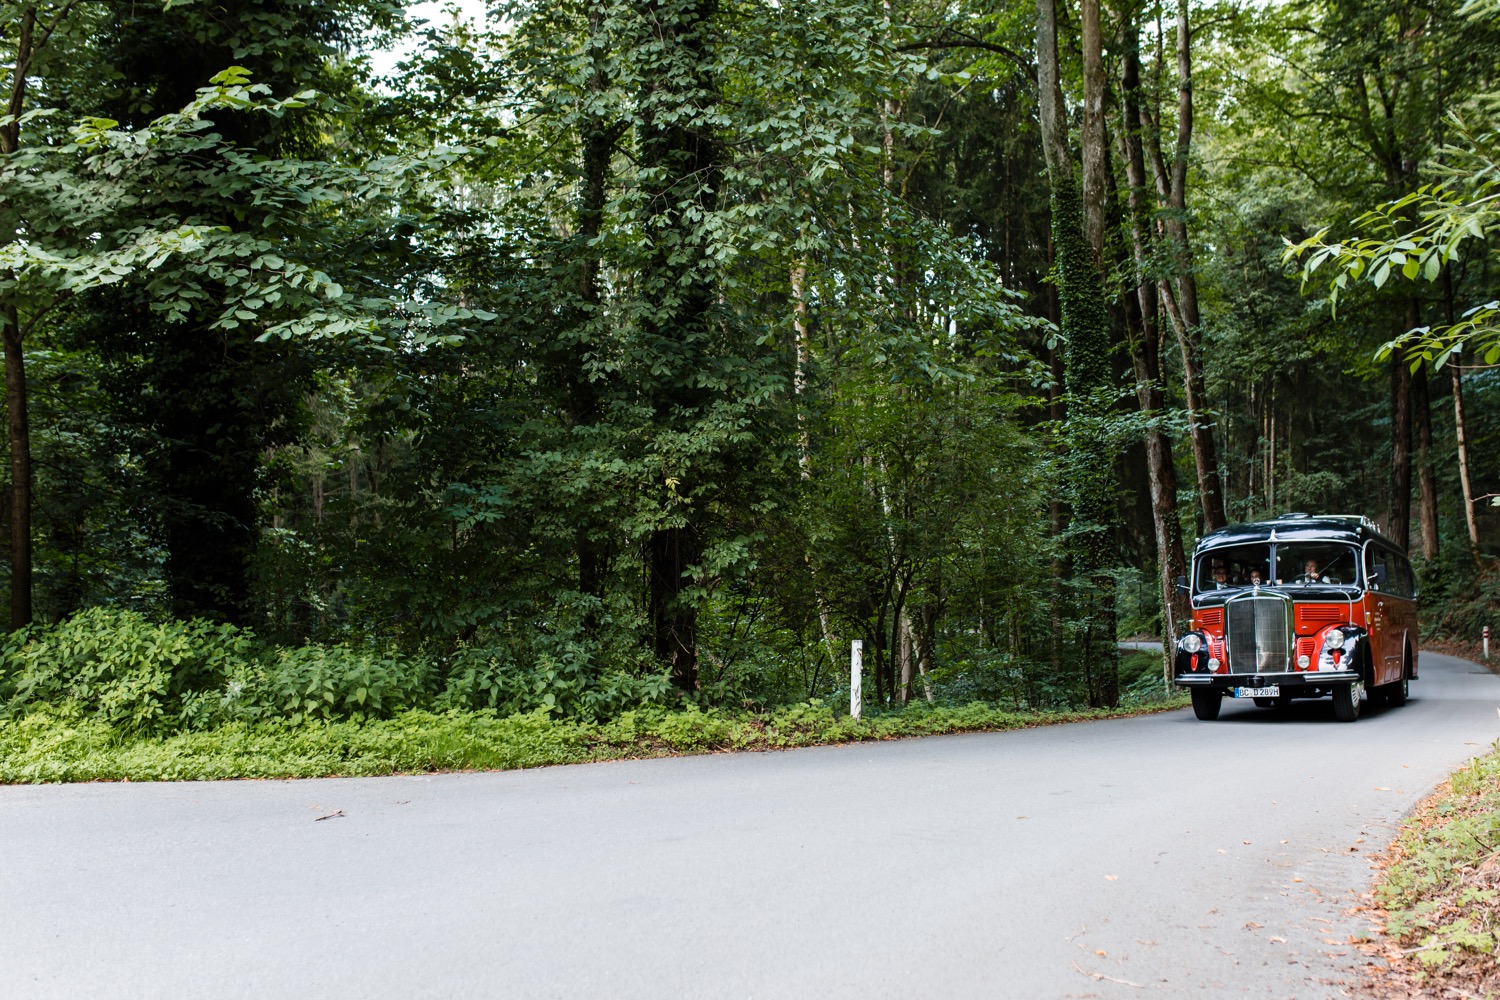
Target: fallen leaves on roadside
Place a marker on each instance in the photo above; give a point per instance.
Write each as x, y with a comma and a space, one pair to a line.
1434, 914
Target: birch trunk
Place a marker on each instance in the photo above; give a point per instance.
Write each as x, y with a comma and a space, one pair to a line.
1093, 149
1399, 524
1463, 461
1421, 409
798, 281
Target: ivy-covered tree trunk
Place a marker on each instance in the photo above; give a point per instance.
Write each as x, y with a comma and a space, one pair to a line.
1088, 465
679, 158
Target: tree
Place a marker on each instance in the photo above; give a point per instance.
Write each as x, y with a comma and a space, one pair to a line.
1085, 326
1418, 238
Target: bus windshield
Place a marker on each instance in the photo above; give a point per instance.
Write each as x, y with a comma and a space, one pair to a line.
1314, 563
1302, 564
1233, 567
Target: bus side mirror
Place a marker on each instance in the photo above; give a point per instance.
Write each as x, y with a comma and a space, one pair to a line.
1182, 587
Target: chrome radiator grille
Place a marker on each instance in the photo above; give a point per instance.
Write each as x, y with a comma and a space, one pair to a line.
1258, 634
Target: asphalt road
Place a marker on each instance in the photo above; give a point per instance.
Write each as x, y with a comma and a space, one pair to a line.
1157, 855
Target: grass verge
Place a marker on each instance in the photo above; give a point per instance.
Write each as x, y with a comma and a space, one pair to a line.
1438, 899
52, 746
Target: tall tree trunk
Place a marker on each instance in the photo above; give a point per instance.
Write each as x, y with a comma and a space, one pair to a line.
18, 428
798, 282
1057, 516
1461, 434
674, 622
926, 636
1180, 294
1093, 139
1085, 322
1145, 353
1399, 524
18, 423
679, 155
1421, 411
580, 392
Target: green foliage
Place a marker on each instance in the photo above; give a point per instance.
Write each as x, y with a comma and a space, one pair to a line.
328, 682
552, 674
51, 746
1436, 891
141, 675
120, 667
1417, 237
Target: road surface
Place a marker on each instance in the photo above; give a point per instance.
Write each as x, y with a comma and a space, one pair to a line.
1149, 856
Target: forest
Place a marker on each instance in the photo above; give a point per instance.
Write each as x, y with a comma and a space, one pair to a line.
597, 355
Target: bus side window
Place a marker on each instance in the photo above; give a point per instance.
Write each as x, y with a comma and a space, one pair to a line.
1408, 585
1375, 569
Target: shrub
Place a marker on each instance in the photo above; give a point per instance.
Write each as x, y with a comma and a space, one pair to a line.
142, 676
555, 674
130, 672
329, 682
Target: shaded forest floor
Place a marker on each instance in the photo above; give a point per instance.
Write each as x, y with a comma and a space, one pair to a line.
47, 746
1435, 910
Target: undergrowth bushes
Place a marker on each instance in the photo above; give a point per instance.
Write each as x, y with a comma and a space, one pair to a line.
143, 676
111, 694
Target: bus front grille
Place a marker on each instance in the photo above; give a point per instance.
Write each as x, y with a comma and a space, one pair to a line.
1258, 635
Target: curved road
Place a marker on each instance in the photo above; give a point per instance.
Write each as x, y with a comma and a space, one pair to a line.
1156, 855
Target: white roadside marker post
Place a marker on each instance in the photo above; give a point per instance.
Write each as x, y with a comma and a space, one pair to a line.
856, 669
1486, 642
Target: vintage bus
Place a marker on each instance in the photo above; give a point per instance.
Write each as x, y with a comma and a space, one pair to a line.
1300, 607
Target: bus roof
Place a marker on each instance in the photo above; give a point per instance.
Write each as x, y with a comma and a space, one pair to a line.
1355, 529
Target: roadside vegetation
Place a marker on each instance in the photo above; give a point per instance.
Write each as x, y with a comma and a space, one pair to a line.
111, 695
1439, 895
53, 746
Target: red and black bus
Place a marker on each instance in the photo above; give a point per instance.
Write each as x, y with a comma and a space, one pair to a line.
1300, 607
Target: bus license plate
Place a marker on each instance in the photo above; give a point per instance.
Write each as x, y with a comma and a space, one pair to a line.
1265, 692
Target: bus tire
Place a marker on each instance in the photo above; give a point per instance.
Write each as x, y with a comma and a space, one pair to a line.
1346, 701
1206, 703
